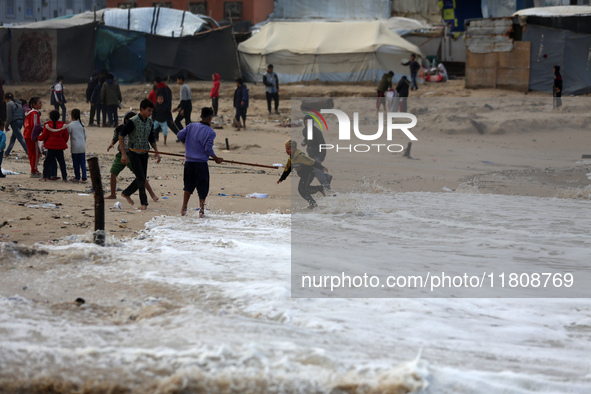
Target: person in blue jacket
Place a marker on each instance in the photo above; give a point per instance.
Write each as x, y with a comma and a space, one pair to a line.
240, 103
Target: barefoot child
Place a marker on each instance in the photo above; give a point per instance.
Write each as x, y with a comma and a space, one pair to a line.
117, 166
77, 133
198, 139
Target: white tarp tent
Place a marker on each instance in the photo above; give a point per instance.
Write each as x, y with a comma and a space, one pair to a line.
326, 51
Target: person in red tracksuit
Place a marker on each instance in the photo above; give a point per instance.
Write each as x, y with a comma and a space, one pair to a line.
215, 93
32, 118
55, 137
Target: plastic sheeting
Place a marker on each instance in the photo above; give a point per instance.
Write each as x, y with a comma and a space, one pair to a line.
161, 21
327, 51
122, 52
427, 10
331, 9
200, 56
570, 51
498, 8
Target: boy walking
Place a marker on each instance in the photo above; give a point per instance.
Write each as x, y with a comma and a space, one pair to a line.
198, 139
185, 106
271, 82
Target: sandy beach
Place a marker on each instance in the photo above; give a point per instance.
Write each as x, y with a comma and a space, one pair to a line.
449, 154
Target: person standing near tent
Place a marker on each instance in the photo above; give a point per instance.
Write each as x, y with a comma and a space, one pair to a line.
58, 99
271, 82
140, 130
198, 139
185, 106
240, 103
2, 103
215, 93
15, 118
94, 80
414, 69
110, 99
383, 86
557, 88
304, 165
399, 103
95, 102
32, 119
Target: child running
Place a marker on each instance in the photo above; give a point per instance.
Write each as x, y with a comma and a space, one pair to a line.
117, 166
55, 138
77, 133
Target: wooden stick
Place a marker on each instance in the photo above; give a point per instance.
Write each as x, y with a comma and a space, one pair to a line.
99, 201
225, 161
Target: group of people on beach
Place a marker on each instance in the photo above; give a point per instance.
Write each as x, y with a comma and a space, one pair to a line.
140, 132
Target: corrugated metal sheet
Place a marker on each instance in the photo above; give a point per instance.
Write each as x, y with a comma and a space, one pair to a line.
489, 35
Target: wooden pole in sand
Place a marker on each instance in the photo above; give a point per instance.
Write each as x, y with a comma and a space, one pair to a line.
99, 201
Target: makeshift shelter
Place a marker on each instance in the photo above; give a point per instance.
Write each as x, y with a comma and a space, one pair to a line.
559, 36
74, 47
326, 51
40, 51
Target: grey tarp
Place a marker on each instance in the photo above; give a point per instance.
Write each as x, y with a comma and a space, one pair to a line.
570, 51
201, 55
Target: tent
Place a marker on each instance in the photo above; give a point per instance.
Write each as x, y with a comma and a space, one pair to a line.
74, 47
327, 51
40, 51
559, 36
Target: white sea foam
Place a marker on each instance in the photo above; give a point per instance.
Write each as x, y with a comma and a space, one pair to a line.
204, 304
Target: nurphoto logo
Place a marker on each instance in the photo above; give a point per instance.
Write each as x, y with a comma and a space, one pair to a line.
345, 130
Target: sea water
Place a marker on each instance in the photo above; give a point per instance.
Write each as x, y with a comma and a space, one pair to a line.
204, 305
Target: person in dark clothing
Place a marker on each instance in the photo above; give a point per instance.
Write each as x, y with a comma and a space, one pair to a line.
313, 150
185, 107
58, 98
159, 116
414, 69
557, 89
399, 102
304, 166
2, 103
140, 130
383, 86
96, 106
94, 80
162, 89
271, 82
240, 103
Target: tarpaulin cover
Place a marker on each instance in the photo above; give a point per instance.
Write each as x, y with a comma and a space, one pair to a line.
161, 21
199, 56
327, 51
40, 55
121, 52
331, 9
570, 51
